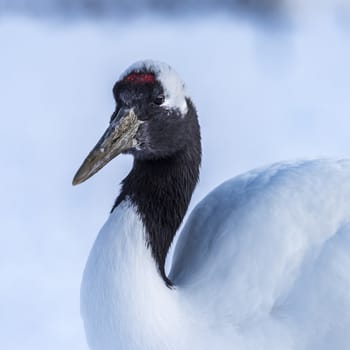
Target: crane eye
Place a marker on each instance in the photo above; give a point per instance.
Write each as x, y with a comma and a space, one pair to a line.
159, 99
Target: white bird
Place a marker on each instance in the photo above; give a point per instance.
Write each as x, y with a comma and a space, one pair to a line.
263, 261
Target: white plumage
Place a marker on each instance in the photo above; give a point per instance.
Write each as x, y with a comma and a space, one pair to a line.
269, 253
262, 263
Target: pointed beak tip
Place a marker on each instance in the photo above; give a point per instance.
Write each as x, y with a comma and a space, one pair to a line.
78, 179
75, 182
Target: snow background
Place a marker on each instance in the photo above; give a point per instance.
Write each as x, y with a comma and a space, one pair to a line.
264, 92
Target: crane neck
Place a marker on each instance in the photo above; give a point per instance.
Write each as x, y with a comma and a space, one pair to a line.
161, 190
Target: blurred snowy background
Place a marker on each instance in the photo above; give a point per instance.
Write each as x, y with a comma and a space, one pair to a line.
270, 78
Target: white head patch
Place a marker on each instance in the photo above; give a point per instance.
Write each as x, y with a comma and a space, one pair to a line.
174, 87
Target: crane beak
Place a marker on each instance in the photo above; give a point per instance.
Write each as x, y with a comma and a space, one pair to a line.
119, 137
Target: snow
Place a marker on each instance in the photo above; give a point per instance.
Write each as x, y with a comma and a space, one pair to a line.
262, 94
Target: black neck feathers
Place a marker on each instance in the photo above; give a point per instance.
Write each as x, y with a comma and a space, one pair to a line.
161, 189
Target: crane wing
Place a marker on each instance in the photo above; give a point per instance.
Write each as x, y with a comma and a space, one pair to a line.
269, 252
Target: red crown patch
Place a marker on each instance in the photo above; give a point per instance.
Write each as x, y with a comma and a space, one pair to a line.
140, 78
